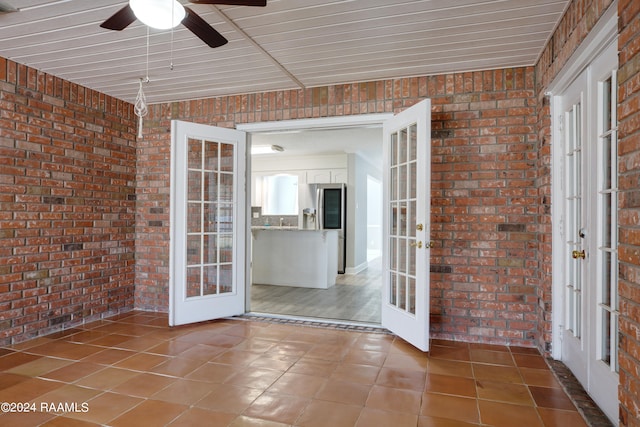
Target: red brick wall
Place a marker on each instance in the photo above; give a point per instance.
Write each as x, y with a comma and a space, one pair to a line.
629, 214
484, 214
67, 201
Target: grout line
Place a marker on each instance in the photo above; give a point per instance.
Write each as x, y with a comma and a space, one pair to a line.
304, 321
592, 414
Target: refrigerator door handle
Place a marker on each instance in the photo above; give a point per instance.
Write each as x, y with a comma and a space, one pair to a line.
320, 206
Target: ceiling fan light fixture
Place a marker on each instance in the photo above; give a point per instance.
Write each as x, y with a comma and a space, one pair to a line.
266, 149
159, 14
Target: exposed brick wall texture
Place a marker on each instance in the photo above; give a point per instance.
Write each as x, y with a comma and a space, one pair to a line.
484, 206
84, 211
67, 204
629, 213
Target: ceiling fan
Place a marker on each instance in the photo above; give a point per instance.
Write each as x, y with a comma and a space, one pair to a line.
165, 14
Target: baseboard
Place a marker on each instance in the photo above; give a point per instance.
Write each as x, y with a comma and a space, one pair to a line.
357, 269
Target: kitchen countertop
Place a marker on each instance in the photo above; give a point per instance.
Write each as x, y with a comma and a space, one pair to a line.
285, 228
307, 259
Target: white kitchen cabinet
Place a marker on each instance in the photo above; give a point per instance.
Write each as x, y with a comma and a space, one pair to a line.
339, 176
318, 176
324, 176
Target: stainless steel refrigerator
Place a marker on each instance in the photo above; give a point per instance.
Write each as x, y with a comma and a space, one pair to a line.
331, 214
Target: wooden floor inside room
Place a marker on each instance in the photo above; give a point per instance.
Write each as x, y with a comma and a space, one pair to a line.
355, 297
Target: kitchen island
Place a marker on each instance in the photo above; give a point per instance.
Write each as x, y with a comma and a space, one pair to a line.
294, 257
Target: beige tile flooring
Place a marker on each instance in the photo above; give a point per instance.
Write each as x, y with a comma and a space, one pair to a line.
133, 370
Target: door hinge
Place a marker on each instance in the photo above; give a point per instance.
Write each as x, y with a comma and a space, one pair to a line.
560, 123
561, 332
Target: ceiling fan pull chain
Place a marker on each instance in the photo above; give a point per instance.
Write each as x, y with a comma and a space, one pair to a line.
147, 70
140, 104
171, 46
171, 52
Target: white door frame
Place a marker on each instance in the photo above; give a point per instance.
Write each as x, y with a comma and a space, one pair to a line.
594, 61
288, 125
602, 35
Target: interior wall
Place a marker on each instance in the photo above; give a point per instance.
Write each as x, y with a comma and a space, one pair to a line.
67, 202
359, 169
484, 213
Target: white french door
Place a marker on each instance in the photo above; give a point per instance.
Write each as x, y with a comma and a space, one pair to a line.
575, 210
587, 119
208, 224
207, 258
406, 222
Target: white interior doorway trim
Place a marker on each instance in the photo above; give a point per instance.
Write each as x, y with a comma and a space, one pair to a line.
338, 122
319, 123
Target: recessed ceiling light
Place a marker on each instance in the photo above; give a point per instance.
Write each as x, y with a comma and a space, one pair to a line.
266, 149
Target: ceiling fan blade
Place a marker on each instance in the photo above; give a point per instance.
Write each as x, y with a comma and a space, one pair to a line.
120, 20
232, 2
202, 29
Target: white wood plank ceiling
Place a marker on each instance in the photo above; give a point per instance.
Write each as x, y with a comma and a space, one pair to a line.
287, 44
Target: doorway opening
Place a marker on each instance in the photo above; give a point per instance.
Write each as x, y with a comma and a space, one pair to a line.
314, 155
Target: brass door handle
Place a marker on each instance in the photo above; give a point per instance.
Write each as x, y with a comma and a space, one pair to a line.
419, 227
578, 254
416, 244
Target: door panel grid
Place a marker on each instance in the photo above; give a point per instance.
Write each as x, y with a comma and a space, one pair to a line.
574, 210
210, 218
608, 224
402, 231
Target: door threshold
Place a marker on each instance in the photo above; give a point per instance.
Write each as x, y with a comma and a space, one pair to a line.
315, 322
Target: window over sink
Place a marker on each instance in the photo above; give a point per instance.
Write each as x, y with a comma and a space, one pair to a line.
280, 194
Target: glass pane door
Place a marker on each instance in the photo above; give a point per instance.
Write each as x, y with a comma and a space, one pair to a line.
589, 339
608, 225
402, 226
406, 192
207, 263
210, 218
575, 230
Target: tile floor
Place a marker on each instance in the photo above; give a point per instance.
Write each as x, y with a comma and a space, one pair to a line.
132, 370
